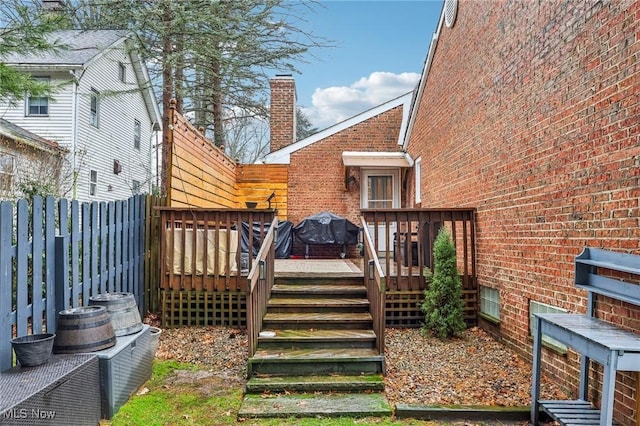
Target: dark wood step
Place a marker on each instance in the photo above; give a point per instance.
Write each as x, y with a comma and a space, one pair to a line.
329, 383
317, 304
287, 362
321, 320
309, 290
318, 338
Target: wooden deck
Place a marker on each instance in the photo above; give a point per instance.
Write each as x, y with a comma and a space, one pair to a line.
318, 268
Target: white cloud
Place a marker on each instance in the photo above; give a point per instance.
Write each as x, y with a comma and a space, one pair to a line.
332, 105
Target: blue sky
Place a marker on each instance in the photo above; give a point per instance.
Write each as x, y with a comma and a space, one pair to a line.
380, 51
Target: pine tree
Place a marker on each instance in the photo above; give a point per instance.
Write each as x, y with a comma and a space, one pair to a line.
23, 32
442, 304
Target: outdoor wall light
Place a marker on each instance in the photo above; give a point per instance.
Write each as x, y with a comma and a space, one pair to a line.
271, 197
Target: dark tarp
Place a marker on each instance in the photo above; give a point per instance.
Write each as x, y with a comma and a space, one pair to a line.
283, 238
326, 228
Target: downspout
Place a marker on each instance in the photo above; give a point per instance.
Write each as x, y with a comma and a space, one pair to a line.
74, 133
150, 179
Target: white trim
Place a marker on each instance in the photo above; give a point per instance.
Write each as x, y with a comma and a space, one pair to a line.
395, 175
283, 156
423, 79
376, 159
417, 167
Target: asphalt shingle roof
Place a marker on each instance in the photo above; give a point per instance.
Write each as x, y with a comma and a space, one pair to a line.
17, 133
80, 47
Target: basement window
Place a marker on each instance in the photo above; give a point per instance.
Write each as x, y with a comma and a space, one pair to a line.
543, 308
490, 303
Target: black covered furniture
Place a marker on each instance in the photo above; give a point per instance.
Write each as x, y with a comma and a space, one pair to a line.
326, 228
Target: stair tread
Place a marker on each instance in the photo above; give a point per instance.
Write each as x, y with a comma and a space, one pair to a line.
331, 378
319, 301
319, 334
316, 383
316, 354
330, 404
318, 288
317, 316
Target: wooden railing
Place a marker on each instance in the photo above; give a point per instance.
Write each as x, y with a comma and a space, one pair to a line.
260, 280
403, 241
202, 249
374, 280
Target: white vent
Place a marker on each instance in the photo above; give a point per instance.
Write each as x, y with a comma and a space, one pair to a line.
450, 10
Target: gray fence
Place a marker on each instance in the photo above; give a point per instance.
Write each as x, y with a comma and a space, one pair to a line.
55, 255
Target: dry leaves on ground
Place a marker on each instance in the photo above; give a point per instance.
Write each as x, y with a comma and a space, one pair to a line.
473, 369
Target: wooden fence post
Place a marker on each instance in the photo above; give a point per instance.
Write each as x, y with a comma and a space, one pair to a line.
63, 291
6, 234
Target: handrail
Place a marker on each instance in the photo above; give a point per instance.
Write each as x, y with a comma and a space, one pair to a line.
375, 282
402, 240
259, 283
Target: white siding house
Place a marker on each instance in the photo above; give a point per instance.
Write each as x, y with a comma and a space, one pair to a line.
103, 112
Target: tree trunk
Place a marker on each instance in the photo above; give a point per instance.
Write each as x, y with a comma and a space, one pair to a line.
167, 92
218, 130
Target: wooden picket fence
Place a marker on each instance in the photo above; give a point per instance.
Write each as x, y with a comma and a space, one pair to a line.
56, 254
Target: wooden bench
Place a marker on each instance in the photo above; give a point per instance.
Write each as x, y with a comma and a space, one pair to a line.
616, 349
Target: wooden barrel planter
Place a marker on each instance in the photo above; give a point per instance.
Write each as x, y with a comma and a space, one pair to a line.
123, 311
85, 329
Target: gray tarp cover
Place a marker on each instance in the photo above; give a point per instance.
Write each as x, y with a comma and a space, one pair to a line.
326, 228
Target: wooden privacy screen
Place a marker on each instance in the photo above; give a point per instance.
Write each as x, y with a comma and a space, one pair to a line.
257, 182
202, 175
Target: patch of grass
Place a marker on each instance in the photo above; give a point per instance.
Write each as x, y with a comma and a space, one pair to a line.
179, 404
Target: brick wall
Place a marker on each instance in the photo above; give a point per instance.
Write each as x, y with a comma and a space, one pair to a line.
282, 112
531, 114
317, 174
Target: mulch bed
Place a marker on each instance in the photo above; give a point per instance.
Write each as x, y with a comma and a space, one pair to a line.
472, 369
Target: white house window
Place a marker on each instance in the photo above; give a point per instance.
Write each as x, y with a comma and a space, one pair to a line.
136, 134
93, 182
418, 169
542, 308
38, 105
490, 303
122, 72
7, 171
95, 107
135, 186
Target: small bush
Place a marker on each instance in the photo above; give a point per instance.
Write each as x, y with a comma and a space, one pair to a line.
442, 306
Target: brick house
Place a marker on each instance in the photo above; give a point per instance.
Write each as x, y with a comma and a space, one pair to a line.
358, 163
529, 112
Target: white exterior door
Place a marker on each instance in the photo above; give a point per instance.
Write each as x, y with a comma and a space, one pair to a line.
381, 190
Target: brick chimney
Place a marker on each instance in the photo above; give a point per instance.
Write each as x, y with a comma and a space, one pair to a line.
283, 111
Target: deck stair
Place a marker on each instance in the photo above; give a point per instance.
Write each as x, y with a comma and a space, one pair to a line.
321, 360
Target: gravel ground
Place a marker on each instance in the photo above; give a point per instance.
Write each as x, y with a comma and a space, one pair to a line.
472, 369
